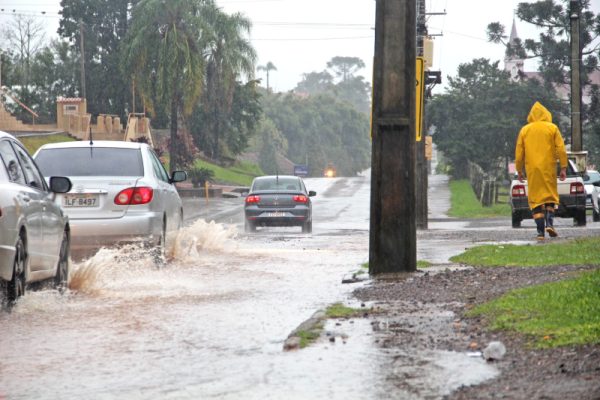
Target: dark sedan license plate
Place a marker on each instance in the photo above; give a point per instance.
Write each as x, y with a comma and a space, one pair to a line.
275, 214
80, 200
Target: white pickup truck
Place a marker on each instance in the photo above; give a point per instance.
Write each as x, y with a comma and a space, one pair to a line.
571, 192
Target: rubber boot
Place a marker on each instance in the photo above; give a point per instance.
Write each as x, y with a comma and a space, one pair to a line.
550, 223
540, 222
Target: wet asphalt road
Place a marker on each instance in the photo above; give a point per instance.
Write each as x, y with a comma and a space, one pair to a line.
211, 324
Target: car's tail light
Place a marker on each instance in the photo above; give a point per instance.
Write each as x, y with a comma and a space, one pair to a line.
577, 188
252, 199
135, 195
518, 191
301, 198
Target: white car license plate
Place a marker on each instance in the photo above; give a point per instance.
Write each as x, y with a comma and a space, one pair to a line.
275, 214
80, 200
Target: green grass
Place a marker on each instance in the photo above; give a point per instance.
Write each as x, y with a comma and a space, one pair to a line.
308, 337
240, 174
464, 204
584, 251
423, 264
338, 310
550, 315
32, 143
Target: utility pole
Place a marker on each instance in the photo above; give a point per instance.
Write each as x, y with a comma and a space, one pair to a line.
576, 141
393, 239
422, 181
83, 95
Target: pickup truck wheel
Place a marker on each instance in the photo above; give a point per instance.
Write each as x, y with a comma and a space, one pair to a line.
596, 216
516, 220
580, 218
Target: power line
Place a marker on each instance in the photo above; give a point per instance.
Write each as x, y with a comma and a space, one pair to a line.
313, 39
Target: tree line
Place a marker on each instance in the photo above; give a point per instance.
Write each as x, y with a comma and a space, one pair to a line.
189, 65
480, 114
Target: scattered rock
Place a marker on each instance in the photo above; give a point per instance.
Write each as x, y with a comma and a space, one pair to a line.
494, 351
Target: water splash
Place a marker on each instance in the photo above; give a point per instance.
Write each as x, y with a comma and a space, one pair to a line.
118, 269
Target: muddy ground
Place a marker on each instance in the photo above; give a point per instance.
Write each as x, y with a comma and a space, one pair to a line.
425, 311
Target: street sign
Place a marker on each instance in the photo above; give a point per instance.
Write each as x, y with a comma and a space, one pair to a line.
419, 98
301, 170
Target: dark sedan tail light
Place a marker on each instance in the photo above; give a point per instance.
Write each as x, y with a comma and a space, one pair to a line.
252, 199
137, 195
301, 199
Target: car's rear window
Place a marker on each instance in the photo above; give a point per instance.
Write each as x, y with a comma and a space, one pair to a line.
276, 184
90, 161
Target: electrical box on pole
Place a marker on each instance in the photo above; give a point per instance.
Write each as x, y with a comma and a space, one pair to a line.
392, 241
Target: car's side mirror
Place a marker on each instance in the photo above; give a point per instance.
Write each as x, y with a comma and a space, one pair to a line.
586, 177
60, 184
178, 176
311, 193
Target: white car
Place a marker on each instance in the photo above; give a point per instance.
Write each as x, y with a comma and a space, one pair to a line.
121, 193
34, 232
571, 193
592, 189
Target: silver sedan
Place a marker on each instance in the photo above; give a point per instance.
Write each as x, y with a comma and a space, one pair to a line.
121, 193
34, 232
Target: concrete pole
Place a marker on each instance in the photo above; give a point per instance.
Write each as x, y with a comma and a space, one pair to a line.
576, 139
392, 245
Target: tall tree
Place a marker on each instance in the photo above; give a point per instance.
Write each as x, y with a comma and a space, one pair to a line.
267, 68
553, 50
315, 83
229, 56
104, 24
479, 116
163, 53
345, 67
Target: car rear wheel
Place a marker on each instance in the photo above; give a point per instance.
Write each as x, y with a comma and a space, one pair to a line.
580, 217
62, 270
158, 251
595, 216
249, 226
16, 286
307, 227
516, 220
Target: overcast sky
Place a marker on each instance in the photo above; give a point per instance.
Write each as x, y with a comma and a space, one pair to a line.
300, 36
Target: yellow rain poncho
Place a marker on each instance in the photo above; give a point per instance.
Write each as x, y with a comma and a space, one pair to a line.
539, 146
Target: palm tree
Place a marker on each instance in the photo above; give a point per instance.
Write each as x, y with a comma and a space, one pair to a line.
269, 67
229, 55
162, 52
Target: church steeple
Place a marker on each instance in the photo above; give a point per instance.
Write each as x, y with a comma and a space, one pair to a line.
512, 63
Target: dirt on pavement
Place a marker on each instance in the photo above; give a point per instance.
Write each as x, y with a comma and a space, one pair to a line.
425, 311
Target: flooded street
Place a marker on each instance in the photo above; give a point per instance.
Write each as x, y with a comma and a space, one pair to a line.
213, 321
211, 324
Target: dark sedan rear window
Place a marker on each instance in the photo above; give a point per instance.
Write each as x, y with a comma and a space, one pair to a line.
85, 161
277, 184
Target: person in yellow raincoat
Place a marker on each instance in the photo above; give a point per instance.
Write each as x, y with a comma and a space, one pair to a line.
539, 146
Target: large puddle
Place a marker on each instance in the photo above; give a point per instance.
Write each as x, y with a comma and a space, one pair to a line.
211, 323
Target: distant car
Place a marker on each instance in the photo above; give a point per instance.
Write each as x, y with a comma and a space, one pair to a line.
278, 201
592, 190
330, 171
121, 193
571, 193
34, 232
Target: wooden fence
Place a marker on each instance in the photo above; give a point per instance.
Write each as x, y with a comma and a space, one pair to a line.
487, 188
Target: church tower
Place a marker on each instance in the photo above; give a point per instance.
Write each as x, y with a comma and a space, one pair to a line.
512, 63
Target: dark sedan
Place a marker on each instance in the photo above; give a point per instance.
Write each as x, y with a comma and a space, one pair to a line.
278, 200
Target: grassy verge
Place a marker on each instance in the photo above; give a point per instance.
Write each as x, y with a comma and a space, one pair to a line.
240, 174
464, 204
577, 252
32, 143
554, 314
